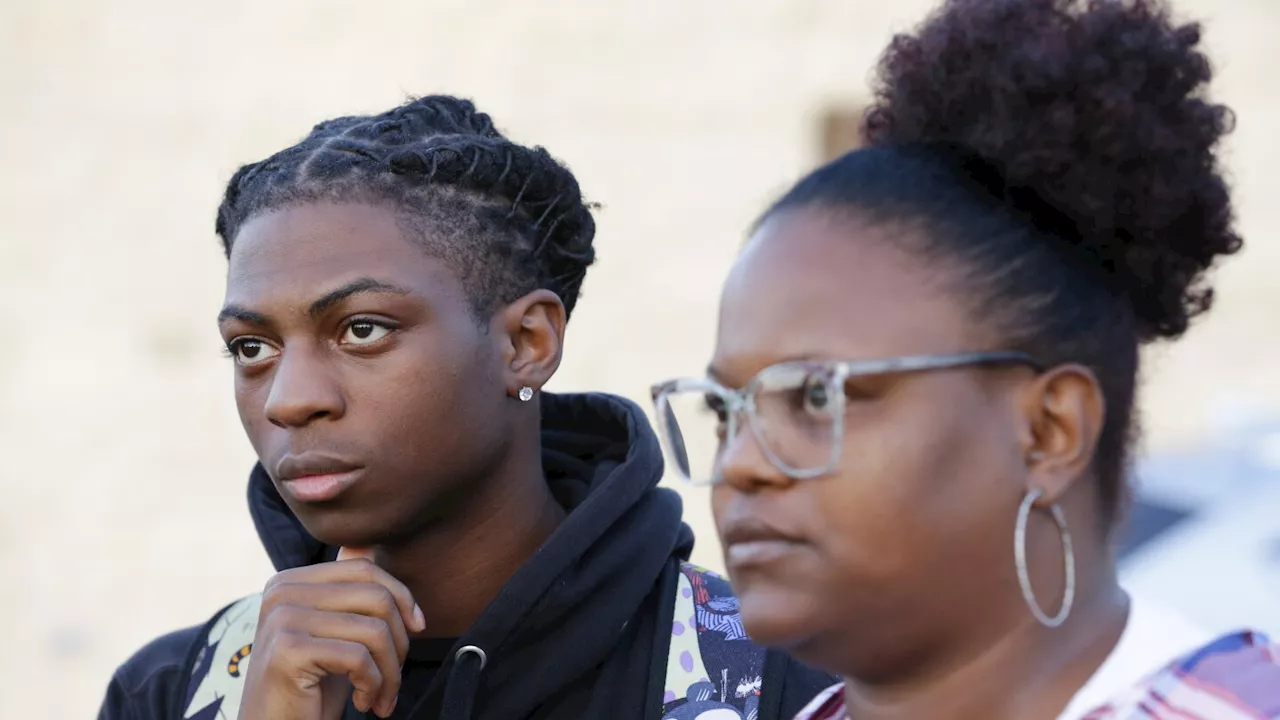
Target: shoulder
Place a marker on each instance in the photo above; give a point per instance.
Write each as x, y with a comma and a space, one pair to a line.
1236, 677
173, 675
148, 683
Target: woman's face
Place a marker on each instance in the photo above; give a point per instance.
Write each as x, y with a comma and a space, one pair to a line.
910, 536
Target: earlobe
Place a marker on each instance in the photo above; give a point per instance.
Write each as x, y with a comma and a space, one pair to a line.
534, 330
1066, 412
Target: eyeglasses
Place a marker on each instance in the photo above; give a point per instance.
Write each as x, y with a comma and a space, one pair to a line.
795, 410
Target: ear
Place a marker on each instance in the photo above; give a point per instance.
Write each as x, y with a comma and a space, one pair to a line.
531, 330
1064, 408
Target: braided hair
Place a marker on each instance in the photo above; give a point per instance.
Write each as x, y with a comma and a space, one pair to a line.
507, 218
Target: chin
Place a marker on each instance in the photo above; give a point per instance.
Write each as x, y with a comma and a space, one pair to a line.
800, 637
806, 624
334, 535
339, 526
776, 617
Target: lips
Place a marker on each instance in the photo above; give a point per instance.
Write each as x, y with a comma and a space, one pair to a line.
751, 529
749, 542
314, 477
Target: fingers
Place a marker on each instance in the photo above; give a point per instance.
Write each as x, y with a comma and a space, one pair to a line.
356, 570
335, 656
359, 599
347, 619
374, 669
355, 553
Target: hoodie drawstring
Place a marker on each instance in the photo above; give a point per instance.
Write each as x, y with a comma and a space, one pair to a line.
463, 683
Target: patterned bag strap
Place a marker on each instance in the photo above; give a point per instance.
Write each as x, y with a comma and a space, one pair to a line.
711, 664
217, 673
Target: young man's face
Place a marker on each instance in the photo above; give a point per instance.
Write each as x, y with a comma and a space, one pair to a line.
369, 391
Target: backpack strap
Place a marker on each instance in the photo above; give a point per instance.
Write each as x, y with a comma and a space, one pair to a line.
712, 664
216, 671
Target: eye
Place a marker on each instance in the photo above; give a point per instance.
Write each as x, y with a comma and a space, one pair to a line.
364, 332
716, 406
250, 351
815, 396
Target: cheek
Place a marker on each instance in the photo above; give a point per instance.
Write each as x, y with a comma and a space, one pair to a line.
431, 402
870, 511
251, 397
916, 488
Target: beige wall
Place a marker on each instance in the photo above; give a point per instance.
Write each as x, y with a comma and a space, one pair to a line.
121, 494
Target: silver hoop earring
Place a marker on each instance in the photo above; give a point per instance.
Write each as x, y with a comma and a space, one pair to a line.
526, 394
1020, 560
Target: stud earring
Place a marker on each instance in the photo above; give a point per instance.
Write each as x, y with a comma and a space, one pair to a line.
526, 394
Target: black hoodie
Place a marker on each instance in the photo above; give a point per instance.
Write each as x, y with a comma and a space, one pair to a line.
581, 631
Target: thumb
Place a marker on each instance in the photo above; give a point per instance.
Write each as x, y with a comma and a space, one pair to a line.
353, 553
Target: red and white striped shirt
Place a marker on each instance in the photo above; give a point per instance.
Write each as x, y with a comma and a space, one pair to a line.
1236, 677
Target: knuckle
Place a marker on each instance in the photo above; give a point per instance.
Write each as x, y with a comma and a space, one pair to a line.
366, 658
364, 663
288, 615
373, 629
387, 639
387, 601
365, 569
281, 578
286, 647
268, 602
276, 591
281, 618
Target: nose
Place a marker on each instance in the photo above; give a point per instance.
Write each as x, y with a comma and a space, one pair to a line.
744, 465
303, 391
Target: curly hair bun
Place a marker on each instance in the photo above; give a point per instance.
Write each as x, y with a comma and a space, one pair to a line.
1096, 108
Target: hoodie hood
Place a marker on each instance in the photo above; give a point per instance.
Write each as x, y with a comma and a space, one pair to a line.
578, 609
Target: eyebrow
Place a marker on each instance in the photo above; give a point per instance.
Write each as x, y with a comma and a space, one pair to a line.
807, 357
355, 287
321, 304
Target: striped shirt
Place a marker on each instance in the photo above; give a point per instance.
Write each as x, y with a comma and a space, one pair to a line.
1236, 677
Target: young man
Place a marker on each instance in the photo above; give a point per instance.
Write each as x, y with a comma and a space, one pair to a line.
452, 543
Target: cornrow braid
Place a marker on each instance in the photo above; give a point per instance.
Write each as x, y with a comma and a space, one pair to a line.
508, 218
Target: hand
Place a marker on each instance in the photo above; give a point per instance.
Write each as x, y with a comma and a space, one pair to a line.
328, 632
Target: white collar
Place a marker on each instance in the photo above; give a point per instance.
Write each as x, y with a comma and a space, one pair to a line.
1154, 636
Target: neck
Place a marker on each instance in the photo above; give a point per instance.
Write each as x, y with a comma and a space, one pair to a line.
1030, 671
455, 569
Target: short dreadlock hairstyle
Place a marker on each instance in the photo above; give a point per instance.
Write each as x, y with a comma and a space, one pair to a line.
508, 219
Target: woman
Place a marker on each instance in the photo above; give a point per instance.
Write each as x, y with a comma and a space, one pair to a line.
397, 294
920, 407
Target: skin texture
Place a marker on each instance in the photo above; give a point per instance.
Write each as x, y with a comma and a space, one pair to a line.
357, 351
897, 569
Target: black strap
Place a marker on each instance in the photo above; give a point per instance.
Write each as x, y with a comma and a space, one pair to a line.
771, 685
668, 583
460, 691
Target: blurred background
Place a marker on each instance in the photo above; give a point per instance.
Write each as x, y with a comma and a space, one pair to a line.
122, 508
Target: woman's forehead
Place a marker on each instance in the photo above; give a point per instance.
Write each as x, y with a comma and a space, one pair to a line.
812, 285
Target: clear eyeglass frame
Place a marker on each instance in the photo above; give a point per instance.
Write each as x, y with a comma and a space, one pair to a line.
795, 375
